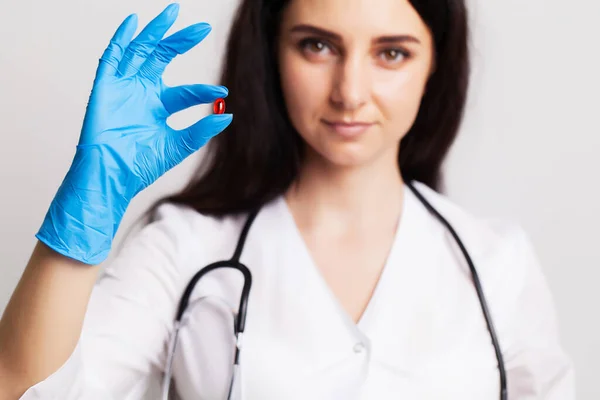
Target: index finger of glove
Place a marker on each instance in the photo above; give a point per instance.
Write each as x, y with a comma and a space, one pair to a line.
179, 98
112, 55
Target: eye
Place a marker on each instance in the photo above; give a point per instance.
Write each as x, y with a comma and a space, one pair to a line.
313, 45
394, 55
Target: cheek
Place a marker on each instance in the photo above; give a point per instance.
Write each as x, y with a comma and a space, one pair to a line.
398, 96
302, 96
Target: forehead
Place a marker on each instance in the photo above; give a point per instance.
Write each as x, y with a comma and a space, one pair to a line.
351, 18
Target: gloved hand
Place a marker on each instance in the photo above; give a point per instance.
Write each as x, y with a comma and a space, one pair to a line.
125, 143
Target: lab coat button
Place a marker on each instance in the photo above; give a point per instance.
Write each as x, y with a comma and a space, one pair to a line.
359, 348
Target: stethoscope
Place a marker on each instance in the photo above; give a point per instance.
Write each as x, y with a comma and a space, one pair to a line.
240, 320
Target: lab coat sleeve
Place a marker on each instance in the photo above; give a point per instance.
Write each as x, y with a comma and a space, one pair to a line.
536, 365
122, 348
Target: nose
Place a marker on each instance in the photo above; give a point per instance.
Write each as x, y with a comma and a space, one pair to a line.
350, 84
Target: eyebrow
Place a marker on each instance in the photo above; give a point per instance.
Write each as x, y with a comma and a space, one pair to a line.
305, 28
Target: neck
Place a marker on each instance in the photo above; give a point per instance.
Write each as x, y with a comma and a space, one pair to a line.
347, 200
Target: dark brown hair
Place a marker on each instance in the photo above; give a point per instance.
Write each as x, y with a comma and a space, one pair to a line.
259, 155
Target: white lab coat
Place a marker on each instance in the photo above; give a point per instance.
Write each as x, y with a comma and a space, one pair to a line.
422, 336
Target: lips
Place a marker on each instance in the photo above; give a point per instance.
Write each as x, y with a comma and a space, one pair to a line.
348, 129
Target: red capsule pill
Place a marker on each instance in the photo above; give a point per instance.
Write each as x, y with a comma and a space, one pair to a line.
219, 106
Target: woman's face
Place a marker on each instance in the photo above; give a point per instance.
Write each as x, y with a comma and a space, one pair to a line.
353, 74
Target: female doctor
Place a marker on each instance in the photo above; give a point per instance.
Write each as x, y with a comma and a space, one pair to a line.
326, 186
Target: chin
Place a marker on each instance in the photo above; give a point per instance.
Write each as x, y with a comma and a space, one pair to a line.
348, 155
327, 148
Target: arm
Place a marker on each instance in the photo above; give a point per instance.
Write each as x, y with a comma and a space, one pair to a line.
120, 343
124, 146
42, 322
537, 367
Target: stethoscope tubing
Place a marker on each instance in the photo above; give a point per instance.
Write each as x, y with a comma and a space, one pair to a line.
478, 289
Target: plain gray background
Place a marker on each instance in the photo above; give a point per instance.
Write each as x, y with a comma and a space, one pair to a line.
527, 150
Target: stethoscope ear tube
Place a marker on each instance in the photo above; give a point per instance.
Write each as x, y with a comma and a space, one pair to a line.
233, 262
240, 319
169, 365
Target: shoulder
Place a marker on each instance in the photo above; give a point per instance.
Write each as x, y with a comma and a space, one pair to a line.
188, 219
186, 226
173, 232
196, 238
497, 245
485, 233
504, 257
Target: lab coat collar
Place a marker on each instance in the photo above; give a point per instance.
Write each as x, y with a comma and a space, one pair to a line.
300, 308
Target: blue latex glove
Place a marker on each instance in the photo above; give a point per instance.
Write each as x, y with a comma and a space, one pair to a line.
125, 143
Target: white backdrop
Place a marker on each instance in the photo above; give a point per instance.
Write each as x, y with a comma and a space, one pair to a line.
527, 149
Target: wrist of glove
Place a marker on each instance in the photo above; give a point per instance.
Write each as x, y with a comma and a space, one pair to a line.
86, 212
